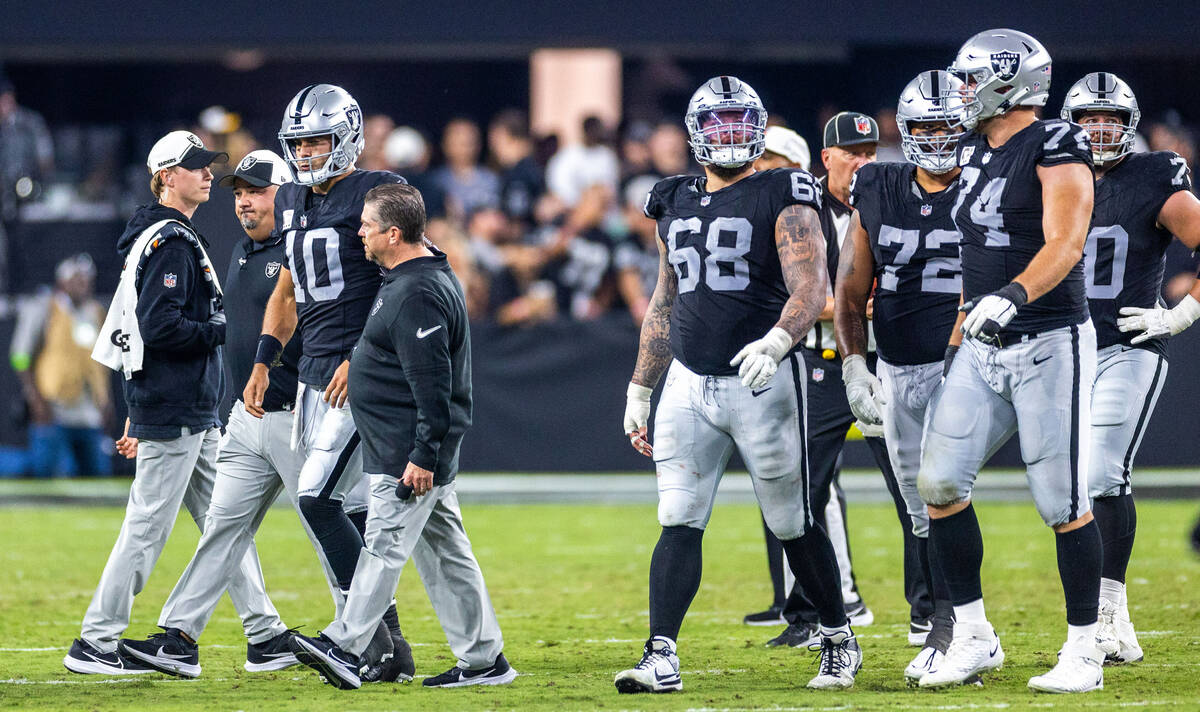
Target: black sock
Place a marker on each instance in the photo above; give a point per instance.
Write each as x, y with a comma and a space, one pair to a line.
359, 520
392, 620
337, 535
1117, 519
674, 578
958, 545
775, 566
943, 609
813, 562
1079, 555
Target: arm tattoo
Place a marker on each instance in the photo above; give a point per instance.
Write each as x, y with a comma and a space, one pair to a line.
850, 322
654, 349
801, 246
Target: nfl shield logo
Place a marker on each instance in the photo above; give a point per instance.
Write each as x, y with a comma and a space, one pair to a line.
169, 280
303, 221
862, 125
986, 157
1006, 64
926, 210
818, 374
705, 201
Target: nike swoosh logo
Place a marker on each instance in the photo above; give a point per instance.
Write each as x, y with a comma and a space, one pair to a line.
477, 673
994, 651
276, 655
759, 393
422, 333
668, 676
1037, 361
161, 654
99, 659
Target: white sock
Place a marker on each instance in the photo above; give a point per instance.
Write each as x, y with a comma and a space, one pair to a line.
1086, 632
1113, 591
971, 612
665, 639
827, 632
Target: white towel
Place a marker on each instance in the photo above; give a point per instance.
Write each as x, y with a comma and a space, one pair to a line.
120, 345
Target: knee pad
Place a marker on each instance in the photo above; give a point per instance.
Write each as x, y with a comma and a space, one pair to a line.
677, 509
938, 489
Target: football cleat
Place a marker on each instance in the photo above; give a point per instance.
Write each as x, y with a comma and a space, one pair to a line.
796, 635
658, 670
918, 631
975, 649
1115, 636
926, 661
859, 614
396, 666
167, 652
839, 662
336, 666
498, 673
273, 654
84, 659
771, 616
1080, 668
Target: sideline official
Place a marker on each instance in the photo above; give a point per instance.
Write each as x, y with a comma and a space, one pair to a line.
410, 382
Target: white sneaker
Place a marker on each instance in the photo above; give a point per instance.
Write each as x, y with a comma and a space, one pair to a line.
657, 672
1079, 669
840, 660
1115, 636
926, 662
974, 649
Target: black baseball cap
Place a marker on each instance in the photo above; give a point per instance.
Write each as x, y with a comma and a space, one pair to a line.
259, 168
850, 128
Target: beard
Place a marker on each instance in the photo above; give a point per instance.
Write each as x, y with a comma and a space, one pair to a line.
726, 173
249, 222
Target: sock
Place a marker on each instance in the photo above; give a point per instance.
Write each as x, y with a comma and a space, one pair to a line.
337, 535
775, 566
813, 562
1079, 566
674, 579
392, 620
970, 612
959, 547
1117, 519
359, 520
943, 610
1086, 632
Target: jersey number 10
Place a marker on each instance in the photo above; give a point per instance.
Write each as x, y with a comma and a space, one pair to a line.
317, 273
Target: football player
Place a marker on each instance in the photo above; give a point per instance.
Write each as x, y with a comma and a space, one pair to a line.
902, 237
1141, 200
325, 291
741, 279
1028, 357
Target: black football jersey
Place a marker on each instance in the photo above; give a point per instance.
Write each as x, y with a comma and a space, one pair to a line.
918, 274
1123, 258
722, 245
335, 282
999, 213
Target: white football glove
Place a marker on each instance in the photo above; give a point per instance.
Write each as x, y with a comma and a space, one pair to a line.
869, 430
988, 314
863, 390
637, 407
1157, 321
760, 359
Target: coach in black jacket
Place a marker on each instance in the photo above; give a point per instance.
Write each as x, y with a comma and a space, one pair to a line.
410, 382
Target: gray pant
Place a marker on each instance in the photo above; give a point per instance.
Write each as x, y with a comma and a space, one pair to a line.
911, 392
1128, 382
169, 472
430, 530
256, 462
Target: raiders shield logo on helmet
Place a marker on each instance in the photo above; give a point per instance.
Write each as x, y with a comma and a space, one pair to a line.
862, 125
1005, 64
273, 269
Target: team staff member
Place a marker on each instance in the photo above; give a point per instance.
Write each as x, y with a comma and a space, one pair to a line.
410, 381
164, 331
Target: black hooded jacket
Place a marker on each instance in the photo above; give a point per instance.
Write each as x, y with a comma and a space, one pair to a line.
181, 381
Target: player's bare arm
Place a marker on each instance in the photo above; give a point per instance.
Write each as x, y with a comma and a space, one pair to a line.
856, 271
801, 246
1067, 197
654, 354
1181, 216
279, 322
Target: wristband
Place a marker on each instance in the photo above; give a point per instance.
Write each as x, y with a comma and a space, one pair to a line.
1015, 293
269, 350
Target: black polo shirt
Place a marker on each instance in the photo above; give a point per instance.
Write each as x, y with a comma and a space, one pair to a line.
253, 270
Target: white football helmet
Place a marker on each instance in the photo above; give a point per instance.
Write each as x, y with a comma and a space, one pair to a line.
1105, 91
933, 96
726, 123
1002, 69
322, 110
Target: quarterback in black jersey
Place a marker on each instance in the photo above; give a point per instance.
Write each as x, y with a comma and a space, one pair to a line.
903, 245
1141, 200
326, 291
741, 279
1029, 351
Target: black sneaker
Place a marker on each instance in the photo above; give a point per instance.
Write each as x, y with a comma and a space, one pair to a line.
771, 616
273, 654
167, 652
796, 635
336, 666
499, 673
397, 666
859, 614
918, 632
86, 660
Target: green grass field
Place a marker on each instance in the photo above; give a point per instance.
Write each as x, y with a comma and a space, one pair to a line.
569, 585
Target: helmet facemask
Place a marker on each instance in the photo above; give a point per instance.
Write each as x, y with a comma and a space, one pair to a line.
935, 152
335, 160
1111, 140
727, 137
